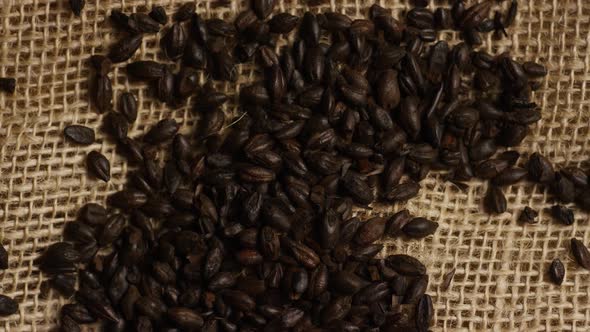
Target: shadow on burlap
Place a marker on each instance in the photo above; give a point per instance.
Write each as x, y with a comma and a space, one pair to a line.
500, 283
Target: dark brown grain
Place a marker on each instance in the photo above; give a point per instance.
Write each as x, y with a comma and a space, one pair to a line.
79, 134
557, 271
98, 165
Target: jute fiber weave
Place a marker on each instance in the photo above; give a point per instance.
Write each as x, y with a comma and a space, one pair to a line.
500, 283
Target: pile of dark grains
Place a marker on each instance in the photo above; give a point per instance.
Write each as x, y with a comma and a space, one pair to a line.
249, 226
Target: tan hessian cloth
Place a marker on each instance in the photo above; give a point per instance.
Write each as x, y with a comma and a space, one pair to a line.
501, 281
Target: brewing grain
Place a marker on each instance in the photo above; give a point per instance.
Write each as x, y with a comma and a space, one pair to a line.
98, 165
79, 134
557, 271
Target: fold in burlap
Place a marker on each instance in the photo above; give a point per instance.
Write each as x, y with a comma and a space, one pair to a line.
500, 283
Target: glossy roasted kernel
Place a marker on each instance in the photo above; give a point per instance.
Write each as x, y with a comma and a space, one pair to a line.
65, 284
309, 29
112, 229
563, 188
540, 169
355, 97
199, 29
219, 27
318, 281
510, 176
512, 135
534, 69
149, 307
124, 49
397, 222
302, 253
528, 215
419, 228
225, 67
185, 318
388, 93
210, 101
78, 313
142, 23
283, 23
313, 66
475, 14
195, 54
79, 232
158, 13
93, 214
405, 265
239, 300
165, 87
410, 116
423, 154
174, 41
511, 15
373, 292
187, 82
370, 231
116, 124
424, 313
403, 191
263, 8
79, 134
563, 214
103, 94
492, 168
59, 258
421, 18
557, 271
67, 324
128, 199
148, 70
128, 106
336, 309
161, 131
495, 201
132, 149
101, 64
416, 290
98, 165
443, 18
357, 187
185, 12
347, 282
576, 175
119, 19
336, 21
244, 20
213, 123
581, 253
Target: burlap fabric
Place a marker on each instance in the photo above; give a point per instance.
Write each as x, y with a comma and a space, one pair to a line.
501, 281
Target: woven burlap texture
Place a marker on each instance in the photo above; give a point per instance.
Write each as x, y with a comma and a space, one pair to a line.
501, 281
